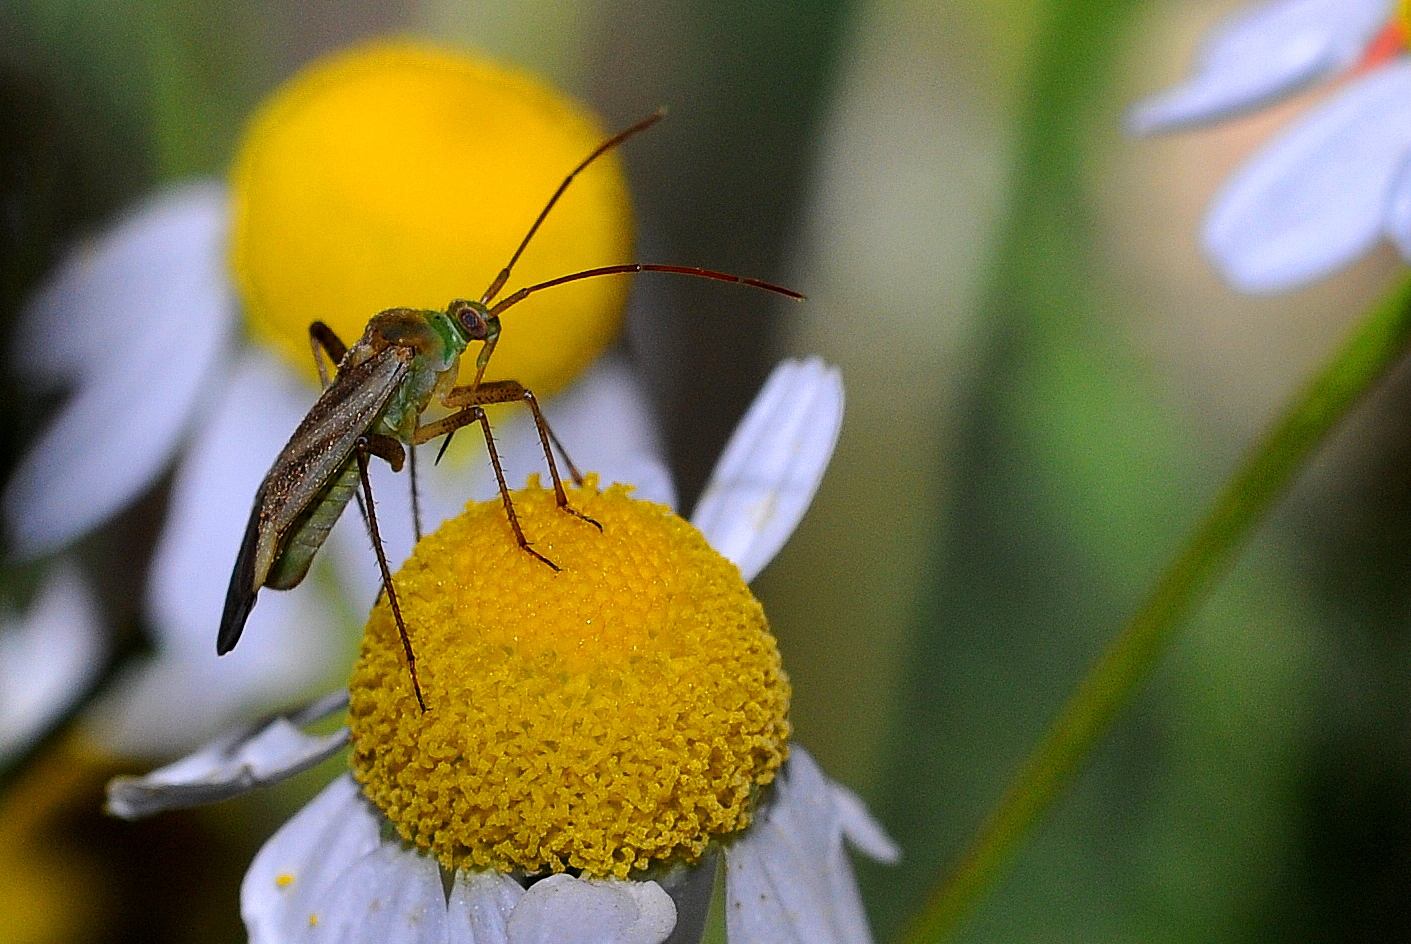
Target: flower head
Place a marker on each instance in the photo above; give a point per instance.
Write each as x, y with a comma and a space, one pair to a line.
1329, 188
628, 726
622, 711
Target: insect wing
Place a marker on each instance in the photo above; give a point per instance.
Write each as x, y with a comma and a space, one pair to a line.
315, 453
326, 437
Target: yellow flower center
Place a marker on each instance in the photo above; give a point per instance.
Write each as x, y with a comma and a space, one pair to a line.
619, 713
398, 175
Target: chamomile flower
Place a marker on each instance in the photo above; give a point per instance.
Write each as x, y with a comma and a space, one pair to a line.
391, 175
596, 737
1329, 188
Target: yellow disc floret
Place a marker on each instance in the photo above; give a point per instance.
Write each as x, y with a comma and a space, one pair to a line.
405, 176
619, 713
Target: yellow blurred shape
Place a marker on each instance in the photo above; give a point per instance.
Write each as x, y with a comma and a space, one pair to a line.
399, 175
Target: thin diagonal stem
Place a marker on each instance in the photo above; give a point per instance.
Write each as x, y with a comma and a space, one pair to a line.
1374, 346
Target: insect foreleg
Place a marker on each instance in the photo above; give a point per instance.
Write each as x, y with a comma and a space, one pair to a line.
475, 414
361, 451
511, 391
324, 342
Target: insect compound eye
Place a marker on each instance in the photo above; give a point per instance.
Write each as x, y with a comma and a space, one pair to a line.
472, 318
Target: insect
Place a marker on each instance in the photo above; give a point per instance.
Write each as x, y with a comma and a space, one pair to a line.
373, 406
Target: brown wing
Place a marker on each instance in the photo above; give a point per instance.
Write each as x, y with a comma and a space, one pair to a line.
313, 456
325, 439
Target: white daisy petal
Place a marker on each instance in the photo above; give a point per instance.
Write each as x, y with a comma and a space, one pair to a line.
562, 909
49, 656
1398, 221
480, 907
1316, 198
864, 833
292, 643
138, 323
773, 464
787, 878
249, 757
1261, 54
301, 862
389, 896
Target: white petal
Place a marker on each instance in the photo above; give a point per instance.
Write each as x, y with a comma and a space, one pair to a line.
389, 896
562, 909
480, 907
49, 656
788, 879
1316, 198
249, 757
138, 324
294, 641
300, 862
773, 464
862, 832
1259, 54
1398, 221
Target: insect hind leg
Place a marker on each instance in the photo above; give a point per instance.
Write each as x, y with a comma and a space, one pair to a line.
364, 448
325, 342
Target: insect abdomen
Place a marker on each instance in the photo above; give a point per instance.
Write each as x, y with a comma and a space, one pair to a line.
306, 537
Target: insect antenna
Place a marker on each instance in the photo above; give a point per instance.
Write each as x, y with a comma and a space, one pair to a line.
601, 149
627, 268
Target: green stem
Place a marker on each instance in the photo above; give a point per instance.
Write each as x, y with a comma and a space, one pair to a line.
1376, 344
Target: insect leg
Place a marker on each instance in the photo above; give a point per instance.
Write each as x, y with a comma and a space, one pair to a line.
416, 497
324, 341
478, 415
363, 449
509, 391
447, 425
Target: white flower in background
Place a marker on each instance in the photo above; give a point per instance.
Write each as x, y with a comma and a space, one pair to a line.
49, 656
142, 328
338, 872
1327, 189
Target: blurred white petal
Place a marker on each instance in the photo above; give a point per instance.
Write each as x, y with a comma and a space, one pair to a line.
391, 895
562, 909
773, 464
1398, 219
787, 878
252, 756
1316, 198
480, 907
137, 324
294, 640
49, 656
1263, 53
300, 863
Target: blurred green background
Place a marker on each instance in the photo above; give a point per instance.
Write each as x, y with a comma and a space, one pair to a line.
1046, 382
